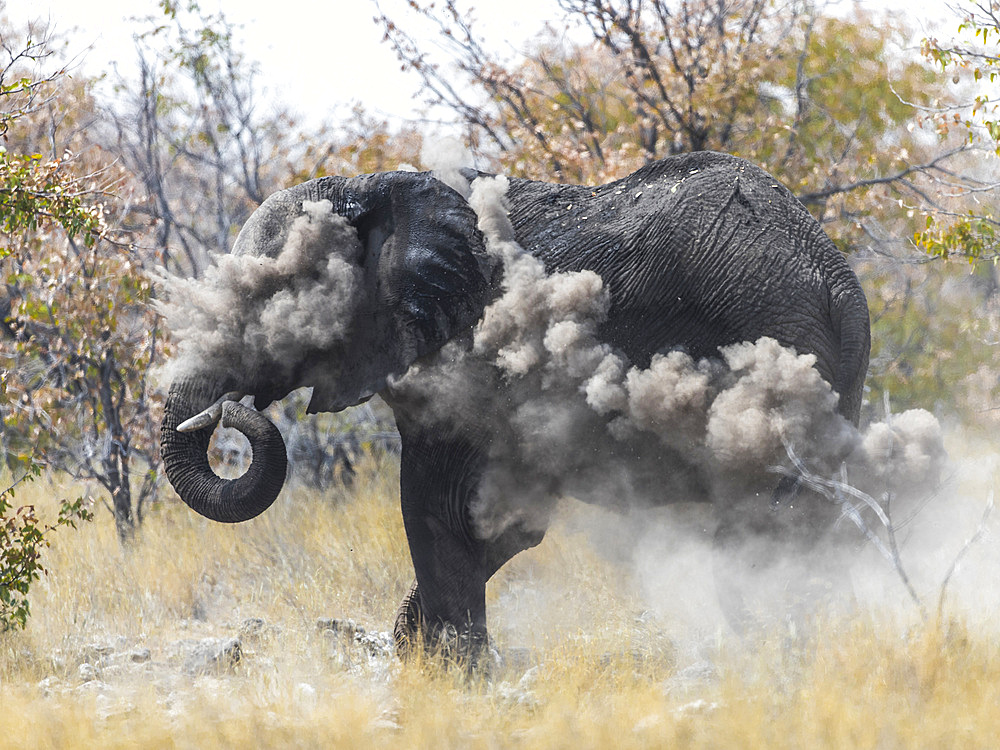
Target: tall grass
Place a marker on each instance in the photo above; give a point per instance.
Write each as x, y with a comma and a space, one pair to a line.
585, 666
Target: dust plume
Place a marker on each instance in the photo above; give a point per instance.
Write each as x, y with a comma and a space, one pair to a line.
583, 418
577, 418
251, 314
446, 157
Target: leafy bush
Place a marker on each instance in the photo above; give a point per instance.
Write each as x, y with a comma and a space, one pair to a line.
23, 536
79, 333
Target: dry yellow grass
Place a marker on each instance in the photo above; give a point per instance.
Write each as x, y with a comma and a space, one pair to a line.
582, 669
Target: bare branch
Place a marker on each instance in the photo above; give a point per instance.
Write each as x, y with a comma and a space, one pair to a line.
934, 164
842, 493
970, 542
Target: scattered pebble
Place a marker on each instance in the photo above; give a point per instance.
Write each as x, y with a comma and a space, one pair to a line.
213, 655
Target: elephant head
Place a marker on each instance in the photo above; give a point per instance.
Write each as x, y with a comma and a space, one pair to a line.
419, 275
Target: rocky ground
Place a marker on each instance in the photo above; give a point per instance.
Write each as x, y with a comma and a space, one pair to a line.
211, 660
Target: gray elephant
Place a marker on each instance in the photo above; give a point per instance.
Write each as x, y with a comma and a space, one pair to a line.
696, 253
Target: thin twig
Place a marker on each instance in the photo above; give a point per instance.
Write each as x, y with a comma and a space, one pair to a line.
980, 530
840, 492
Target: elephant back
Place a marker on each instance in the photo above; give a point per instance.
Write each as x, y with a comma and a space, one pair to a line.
701, 251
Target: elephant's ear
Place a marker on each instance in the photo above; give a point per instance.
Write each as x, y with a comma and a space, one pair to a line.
427, 275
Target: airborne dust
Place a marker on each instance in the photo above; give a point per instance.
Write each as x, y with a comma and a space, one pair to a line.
574, 417
577, 412
250, 313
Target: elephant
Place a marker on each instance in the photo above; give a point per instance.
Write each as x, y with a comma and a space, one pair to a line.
697, 252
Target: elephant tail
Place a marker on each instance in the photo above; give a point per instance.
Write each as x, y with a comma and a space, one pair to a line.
854, 332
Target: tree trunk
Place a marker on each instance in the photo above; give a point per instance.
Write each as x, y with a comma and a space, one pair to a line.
116, 459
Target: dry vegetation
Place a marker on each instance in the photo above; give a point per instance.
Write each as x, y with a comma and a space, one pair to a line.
586, 664
608, 633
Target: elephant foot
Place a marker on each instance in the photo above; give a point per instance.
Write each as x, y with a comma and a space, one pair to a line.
408, 629
467, 646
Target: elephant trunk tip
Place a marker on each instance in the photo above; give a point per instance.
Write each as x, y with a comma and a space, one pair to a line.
211, 415
184, 442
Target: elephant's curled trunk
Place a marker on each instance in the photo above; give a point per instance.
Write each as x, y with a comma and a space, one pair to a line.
185, 456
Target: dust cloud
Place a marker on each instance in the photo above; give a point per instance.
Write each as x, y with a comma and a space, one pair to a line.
579, 419
447, 156
253, 314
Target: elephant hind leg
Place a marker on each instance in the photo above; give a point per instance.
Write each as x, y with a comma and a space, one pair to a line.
774, 562
515, 539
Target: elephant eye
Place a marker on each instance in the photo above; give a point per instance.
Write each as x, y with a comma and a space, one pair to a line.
352, 209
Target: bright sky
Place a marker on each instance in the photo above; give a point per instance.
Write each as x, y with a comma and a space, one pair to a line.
320, 57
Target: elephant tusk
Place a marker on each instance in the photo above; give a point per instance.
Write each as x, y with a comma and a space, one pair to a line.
209, 416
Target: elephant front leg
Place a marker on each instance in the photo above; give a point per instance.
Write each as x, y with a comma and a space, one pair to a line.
440, 477
493, 554
446, 606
